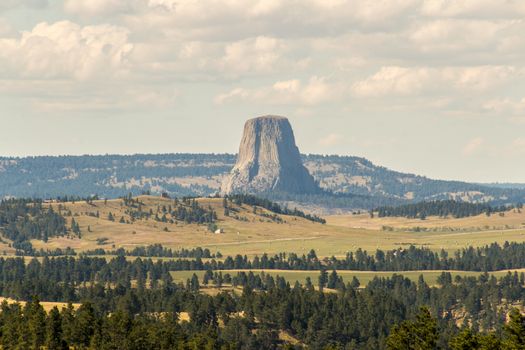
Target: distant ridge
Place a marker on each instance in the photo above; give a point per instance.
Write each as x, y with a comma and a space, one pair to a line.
184, 174
504, 185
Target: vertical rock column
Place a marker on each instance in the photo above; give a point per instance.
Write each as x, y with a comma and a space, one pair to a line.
269, 160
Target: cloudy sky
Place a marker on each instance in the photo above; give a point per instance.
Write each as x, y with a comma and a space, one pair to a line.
433, 87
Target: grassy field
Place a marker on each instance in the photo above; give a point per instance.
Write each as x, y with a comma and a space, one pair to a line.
364, 276
256, 234
512, 219
47, 305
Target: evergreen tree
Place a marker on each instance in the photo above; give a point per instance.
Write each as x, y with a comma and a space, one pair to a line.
323, 279
514, 331
54, 339
420, 334
465, 340
36, 316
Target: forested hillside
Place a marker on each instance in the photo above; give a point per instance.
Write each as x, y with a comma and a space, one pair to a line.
122, 301
356, 181
442, 209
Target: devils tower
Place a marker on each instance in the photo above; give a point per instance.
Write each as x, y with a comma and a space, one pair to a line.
269, 160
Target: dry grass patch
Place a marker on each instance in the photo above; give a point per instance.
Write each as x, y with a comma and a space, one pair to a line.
47, 305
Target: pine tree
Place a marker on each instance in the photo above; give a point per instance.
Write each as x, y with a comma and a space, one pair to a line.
54, 339
194, 283
514, 331
465, 340
332, 280
323, 279
36, 316
420, 334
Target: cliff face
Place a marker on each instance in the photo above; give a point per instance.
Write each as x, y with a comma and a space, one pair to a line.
269, 160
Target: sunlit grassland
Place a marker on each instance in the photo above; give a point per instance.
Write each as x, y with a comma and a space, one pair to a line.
255, 234
364, 277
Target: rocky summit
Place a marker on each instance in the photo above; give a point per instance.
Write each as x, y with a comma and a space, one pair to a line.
269, 160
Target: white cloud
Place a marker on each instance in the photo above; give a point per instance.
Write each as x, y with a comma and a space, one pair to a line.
65, 50
315, 91
393, 80
202, 60
456, 35
473, 146
468, 41
405, 81
260, 54
240, 19
474, 8
98, 7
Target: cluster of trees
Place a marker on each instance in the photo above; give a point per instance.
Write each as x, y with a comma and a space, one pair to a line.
423, 332
30, 327
443, 208
186, 210
28, 250
493, 257
137, 304
240, 199
157, 250
24, 219
87, 199
331, 200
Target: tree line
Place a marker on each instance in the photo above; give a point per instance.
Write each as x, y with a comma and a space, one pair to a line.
248, 199
493, 257
442, 208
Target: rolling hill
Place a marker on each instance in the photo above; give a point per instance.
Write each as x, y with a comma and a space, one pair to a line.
251, 230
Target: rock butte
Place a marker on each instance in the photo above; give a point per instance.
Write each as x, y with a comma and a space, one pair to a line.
269, 160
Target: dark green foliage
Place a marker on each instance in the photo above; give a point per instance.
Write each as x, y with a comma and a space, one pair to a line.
156, 250
420, 334
493, 257
189, 211
254, 201
514, 335
443, 209
465, 340
123, 301
23, 219
423, 333
185, 210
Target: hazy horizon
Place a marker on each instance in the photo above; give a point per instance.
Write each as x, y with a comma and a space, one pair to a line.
235, 153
